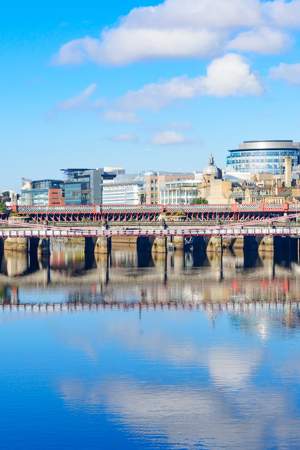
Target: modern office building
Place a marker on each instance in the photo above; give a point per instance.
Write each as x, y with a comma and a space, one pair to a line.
124, 190
84, 186
254, 157
42, 193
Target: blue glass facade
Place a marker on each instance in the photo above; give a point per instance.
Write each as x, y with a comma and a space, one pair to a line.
264, 156
83, 186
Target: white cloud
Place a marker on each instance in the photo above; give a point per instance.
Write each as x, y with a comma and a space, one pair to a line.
283, 13
216, 14
184, 29
286, 72
79, 100
262, 40
168, 137
122, 46
227, 76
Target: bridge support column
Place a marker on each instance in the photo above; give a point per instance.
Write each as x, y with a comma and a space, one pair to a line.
160, 245
124, 241
103, 246
217, 244
16, 245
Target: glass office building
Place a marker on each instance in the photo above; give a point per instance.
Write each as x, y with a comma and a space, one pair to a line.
38, 193
85, 186
262, 156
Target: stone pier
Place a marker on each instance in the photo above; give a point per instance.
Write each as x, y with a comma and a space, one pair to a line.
159, 245
102, 246
216, 244
16, 245
124, 241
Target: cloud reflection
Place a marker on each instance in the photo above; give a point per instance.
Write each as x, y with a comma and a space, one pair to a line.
188, 416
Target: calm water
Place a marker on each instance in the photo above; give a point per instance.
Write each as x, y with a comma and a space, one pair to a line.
186, 354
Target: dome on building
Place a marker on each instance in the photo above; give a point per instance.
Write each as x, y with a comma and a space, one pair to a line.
212, 170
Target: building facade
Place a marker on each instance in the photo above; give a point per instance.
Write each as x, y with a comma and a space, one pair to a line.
42, 193
155, 183
262, 157
124, 190
83, 186
182, 192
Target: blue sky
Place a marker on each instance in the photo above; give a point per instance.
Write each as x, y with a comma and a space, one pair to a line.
143, 84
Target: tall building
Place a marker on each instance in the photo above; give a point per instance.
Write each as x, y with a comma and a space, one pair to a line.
262, 157
83, 186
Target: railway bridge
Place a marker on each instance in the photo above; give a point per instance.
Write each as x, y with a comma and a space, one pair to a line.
158, 236
154, 213
206, 226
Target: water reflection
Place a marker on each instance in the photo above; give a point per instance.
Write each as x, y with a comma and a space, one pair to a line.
225, 396
126, 275
209, 358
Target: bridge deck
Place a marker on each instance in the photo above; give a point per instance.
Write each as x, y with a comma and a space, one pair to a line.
95, 232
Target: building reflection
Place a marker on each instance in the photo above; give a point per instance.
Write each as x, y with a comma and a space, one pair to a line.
120, 277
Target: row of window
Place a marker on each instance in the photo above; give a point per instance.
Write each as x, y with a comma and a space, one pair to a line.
274, 152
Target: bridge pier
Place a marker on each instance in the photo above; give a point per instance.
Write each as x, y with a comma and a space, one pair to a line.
124, 241
12, 244
103, 246
160, 245
217, 244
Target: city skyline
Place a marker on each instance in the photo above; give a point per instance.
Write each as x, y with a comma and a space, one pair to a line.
90, 89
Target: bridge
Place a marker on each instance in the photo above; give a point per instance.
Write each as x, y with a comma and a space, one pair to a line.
154, 213
230, 231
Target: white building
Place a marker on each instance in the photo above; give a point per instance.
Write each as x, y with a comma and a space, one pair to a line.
181, 192
124, 190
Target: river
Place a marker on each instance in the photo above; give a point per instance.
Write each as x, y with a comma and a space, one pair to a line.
132, 352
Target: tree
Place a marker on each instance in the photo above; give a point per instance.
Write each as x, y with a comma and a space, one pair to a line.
200, 201
2, 207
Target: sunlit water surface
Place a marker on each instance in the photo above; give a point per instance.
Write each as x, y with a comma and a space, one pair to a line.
149, 354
